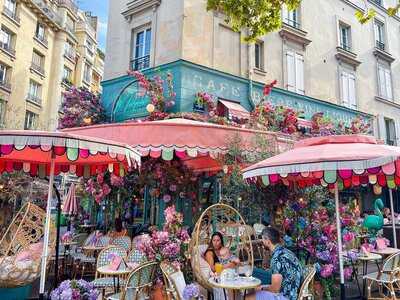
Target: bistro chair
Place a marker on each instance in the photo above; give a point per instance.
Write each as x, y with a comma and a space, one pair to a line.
104, 258
387, 278
139, 281
135, 258
305, 292
227, 220
123, 242
173, 280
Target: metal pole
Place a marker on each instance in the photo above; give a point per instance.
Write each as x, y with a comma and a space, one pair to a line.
340, 249
393, 219
46, 231
57, 236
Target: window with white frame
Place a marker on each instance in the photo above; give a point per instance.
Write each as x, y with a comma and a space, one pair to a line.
142, 45
69, 50
3, 74
11, 7
40, 32
30, 120
291, 17
385, 82
295, 72
345, 36
259, 55
67, 75
87, 73
380, 39
348, 89
3, 108
35, 91
38, 62
390, 132
6, 39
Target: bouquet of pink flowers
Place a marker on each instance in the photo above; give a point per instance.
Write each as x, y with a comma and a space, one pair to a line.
66, 237
168, 243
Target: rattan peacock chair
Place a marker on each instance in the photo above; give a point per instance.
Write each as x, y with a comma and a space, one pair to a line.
228, 221
26, 228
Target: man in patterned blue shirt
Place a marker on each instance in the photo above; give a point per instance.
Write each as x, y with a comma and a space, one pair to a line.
285, 274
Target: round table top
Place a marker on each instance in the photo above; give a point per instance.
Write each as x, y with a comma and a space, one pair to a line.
239, 283
87, 225
371, 256
70, 243
106, 271
93, 248
387, 251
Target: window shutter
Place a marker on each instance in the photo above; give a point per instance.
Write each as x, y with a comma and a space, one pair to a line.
345, 88
291, 72
388, 83
381, 81
381, 127
397, 124
299, 74
352, 91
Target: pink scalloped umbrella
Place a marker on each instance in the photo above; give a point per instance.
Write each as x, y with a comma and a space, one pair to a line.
41, 153
70, 206
336, 162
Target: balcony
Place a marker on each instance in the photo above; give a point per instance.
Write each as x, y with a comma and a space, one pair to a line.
45, 10
42, 40
345, 47
37, 68
5, 85
70, 54
67, 81
70, 28
8, 49
380, 45
34, 98
140, 63
292, 23
11, 14
69, 4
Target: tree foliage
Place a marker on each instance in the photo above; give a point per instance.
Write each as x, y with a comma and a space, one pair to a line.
258, 16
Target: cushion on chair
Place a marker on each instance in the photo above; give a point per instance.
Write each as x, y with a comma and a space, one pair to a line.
383, 278
107, 282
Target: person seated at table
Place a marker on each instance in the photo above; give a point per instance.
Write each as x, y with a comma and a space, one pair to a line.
226, 257
284, 278
213, 253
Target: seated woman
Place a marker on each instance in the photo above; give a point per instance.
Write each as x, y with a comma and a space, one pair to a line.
285, 275
213, 254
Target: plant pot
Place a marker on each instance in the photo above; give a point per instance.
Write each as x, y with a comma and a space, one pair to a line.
158, 293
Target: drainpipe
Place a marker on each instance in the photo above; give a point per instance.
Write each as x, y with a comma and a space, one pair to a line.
250, 72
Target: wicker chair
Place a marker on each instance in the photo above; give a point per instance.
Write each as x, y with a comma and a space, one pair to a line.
173, 280
135, 257
387, 278
139, 281
305, 292
227, 220
123, 242
26, 228
101, 281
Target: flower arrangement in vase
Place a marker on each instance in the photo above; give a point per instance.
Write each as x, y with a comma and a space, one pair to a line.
75, 290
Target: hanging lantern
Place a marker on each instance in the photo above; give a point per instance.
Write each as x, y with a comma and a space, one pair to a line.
150, 108
87, 120
225, 169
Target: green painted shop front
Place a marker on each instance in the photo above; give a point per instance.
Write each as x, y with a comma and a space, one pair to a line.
123, 100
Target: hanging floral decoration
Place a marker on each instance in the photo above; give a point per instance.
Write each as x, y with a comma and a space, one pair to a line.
103, 185
154, 89
80, 108
205, 101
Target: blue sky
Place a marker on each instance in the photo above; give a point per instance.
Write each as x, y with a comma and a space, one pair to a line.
98, 8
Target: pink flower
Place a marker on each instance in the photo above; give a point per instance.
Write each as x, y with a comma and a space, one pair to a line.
172, 187
167, 198
100, 178
348, 237
348, 271
326, 271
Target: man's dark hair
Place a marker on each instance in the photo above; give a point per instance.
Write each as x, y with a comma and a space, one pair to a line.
272, 234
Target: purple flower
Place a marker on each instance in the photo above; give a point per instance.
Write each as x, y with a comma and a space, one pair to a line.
191, 291
323, 255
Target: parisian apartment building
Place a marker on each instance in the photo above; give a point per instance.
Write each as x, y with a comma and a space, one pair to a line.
46, 46
322, 54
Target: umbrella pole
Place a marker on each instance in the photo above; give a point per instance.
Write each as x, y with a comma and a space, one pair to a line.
46, 232
57, 236
339, 237
393, 219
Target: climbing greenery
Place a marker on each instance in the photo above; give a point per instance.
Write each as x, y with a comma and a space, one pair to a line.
258, 16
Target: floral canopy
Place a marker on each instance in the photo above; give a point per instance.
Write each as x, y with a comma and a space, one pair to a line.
31, 151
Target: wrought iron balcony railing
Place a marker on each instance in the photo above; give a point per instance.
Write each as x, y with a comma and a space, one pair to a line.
11, 14
140, 63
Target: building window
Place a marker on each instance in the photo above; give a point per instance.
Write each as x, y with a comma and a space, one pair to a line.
390, 132
70, 24
40, 33
89, 47
38, 62
259, 55
142, 50
385, 82
67, 75
10, 9
378, 2
295, 72
379, 28
34, 93
30, 120
348, 89
3, 108
345, 36
4, 76
69, 50
291, 17
6, 40
87, 73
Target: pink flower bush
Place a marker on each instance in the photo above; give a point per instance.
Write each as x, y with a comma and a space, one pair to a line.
327, 271
348, 272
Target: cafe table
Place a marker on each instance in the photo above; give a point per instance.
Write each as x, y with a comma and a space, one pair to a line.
116, 274
239, 283
386, 252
